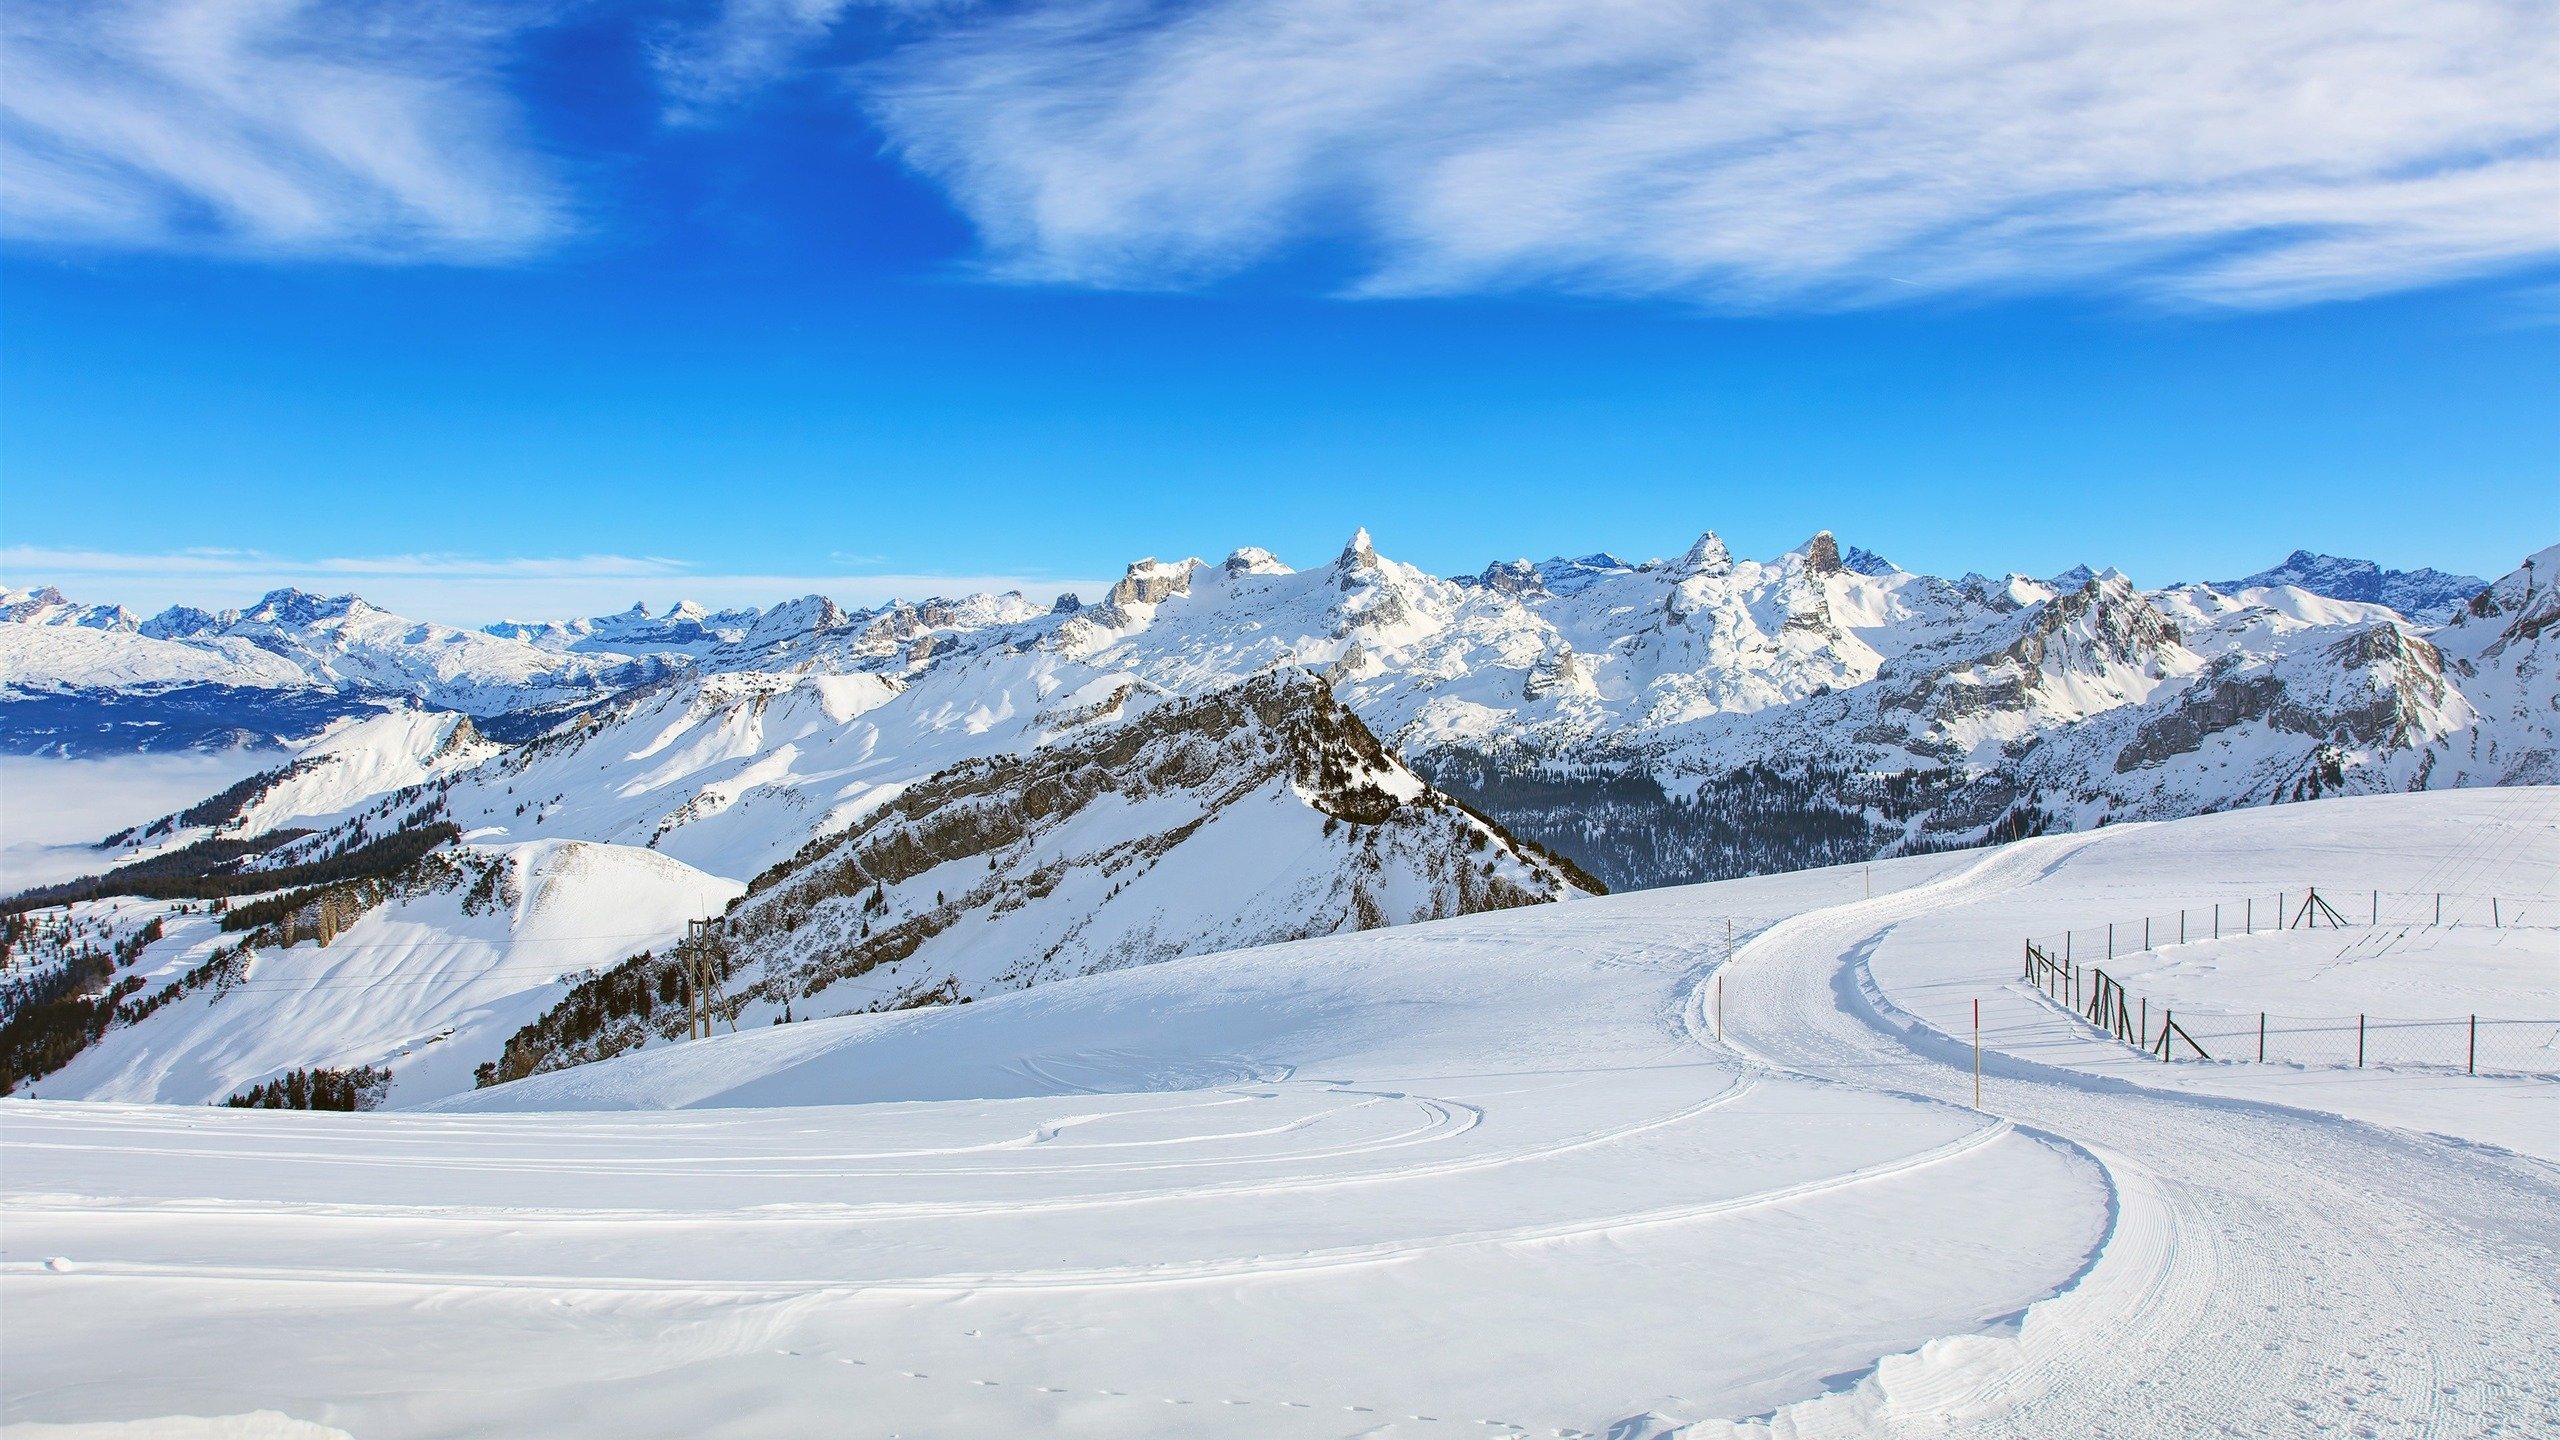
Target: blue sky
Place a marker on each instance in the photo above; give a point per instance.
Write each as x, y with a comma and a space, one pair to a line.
485, 310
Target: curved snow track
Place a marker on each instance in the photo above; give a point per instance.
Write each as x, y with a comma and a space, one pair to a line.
2268, 1271
1517, 1174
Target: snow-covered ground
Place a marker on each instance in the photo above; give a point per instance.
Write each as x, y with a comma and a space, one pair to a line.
427, 986
1557, 1171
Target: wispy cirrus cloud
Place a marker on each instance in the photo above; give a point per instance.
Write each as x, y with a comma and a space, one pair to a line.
1747, 153
350, 129
475, 590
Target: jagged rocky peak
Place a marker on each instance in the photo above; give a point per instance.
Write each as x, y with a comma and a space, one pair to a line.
1066, 604
1709, 556
1358, 553
40, 606
49, 606
796, 619
1254, 560
1822, 555
2411, 592
2108, 617
1864, 561
1516, 578
1151, 582
292, 606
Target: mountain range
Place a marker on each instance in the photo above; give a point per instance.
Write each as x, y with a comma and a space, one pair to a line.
923, 803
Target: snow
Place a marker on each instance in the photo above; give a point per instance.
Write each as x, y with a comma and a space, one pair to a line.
1567, 1170
421, 985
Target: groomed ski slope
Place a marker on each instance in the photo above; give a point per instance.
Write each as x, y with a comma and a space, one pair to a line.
1490, 1176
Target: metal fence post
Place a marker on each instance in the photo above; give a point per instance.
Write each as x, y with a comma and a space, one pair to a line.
2471, 1062
2111, 940
2262, 1037
2359, 1042
2493, 912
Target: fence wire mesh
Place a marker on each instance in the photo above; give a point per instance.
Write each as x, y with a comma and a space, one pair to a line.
2070, 968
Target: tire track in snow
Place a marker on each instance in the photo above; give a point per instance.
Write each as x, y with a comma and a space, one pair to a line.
2267, 1271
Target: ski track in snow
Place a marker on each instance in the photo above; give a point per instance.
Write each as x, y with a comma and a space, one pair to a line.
1575, 1197
2296, 1282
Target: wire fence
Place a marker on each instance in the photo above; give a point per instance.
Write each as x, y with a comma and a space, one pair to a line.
2066, 971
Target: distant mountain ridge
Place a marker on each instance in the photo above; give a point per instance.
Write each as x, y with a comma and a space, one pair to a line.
1025, 792
2422, 592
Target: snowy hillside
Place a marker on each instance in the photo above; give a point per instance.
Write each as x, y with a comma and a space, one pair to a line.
1755, 1165
1256, 814
427, 982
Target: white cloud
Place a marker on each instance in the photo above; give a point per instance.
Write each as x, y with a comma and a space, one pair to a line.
462, 590
361, 129
2237, 152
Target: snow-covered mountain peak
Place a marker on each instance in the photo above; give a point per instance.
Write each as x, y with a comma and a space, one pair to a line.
291, 606
1254, 560
1358, 553
2424, 592
1708, 556
1151, 582
1868, 562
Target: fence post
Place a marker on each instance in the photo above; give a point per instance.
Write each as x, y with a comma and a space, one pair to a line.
2146, 932
2111, 940
2439, 907
2493, 912
2280, 910
2249, 918
2359, 1042
2471, 1062
2144, 1028
2262, 1037
2217, 919
2165, 1018
2182, 924
2377, 909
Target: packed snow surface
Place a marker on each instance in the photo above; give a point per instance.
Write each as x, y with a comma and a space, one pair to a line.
1579, 1169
